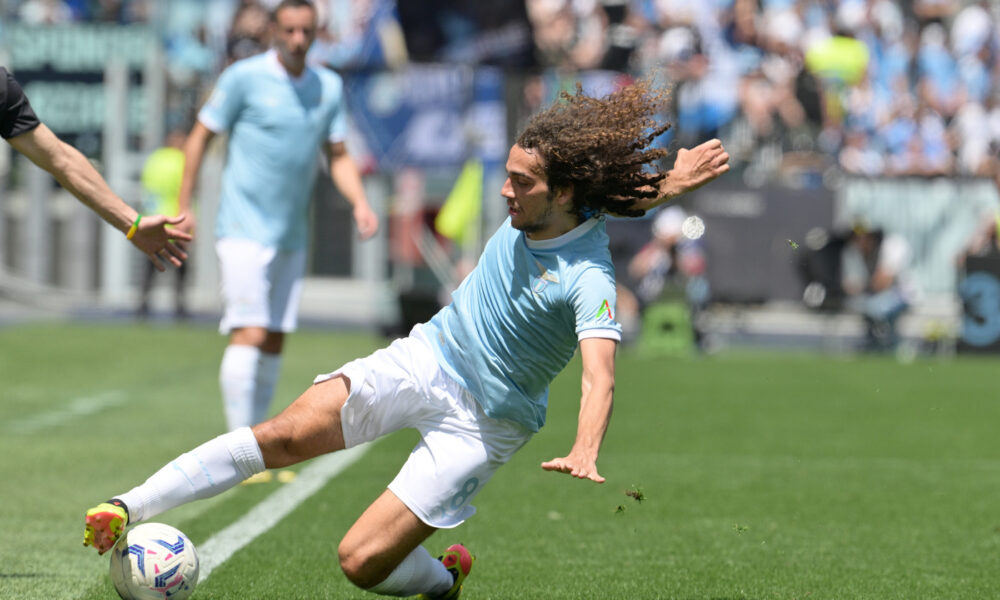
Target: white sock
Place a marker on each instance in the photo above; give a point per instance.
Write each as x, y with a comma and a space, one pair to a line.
268, 368
419, 573
209, 469
238, 378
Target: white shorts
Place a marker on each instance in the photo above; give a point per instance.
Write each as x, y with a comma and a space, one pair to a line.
261, 285
460, 448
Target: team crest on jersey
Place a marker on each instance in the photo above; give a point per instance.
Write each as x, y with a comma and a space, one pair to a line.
605, 310
543, 280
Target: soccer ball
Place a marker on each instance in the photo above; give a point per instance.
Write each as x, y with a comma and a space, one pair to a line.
154, 561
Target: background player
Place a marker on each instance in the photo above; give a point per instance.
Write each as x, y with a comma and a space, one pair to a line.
279, 113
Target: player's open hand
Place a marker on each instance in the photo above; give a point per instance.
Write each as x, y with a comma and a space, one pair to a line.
574, 465
695, 167
159, 242
366, 220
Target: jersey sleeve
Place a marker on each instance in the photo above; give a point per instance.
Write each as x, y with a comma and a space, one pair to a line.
592, 298
16, 114
224, 105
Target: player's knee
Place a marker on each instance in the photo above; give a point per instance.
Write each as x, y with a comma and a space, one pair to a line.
360, 567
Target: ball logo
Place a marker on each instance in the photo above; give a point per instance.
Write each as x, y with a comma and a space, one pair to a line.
153, 561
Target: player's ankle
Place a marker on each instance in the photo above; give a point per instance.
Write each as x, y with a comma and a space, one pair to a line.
120, 504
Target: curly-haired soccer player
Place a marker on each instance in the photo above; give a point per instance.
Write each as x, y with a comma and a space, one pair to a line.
474, 379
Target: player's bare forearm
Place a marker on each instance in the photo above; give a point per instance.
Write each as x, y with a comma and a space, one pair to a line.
595, 414
692, 169
152, 237
596, 404
75, 173
347, 178
194, 153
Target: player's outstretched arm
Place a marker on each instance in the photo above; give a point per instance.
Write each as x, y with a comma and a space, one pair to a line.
692, 169
598, 384
75, 173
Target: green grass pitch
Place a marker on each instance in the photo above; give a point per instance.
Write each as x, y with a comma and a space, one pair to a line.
785, 476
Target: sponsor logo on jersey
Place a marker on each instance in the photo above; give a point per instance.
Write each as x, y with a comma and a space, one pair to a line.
605, 310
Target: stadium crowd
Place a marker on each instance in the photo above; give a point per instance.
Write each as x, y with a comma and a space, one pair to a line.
888, 87
879, 87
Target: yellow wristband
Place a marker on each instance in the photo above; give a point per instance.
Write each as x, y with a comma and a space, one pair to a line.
133, 228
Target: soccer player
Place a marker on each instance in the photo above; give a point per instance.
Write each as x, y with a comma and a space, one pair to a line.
21, 128
279, 113
474, 379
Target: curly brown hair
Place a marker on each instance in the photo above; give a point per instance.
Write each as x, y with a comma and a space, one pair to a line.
600, 147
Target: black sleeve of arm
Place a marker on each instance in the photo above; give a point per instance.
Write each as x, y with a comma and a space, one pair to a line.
16, 115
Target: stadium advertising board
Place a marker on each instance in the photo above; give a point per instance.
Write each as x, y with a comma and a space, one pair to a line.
62, 71
979, 291
429, 115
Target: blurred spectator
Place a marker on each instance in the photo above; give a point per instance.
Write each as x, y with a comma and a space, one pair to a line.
935, 153
899, 135
161, 183
975, 135
838, 62
249, 33
670, 268
765, 73
45, 12
569, 33
875, 280
707, 100
937, 70
120, 11
887, 72
984, 240
934, 11
768, 89
189, 57
859, 156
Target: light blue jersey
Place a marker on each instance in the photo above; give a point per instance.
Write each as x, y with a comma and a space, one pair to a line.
277, 125
515, 322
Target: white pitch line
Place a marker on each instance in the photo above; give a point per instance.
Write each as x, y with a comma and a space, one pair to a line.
275, 507
74, 409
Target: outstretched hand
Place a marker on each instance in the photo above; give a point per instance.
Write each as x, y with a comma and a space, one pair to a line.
158, 242
574, 465
695, 167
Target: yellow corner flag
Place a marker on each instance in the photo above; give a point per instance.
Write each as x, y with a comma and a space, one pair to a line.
462, 207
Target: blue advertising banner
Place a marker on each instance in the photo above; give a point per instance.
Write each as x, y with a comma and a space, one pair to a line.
429, 115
